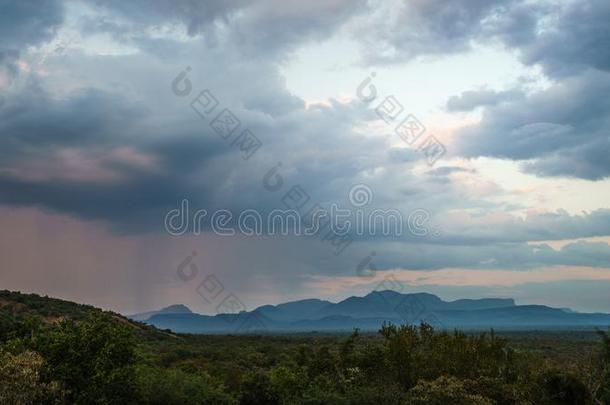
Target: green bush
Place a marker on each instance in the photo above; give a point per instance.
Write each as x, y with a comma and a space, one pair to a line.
259, 390
557, 387
21, 382
92, 359
442, 391
156, 386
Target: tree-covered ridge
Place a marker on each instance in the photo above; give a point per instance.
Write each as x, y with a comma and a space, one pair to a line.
17, 303
97, 357
20, 310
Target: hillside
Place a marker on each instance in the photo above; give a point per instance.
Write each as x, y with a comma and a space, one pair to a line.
50, 309
15, 306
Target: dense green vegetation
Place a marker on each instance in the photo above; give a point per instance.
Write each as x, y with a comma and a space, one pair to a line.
52, 351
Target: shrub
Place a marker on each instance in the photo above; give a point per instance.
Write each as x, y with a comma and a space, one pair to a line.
156, 386
20, 380
557, 387
442, 391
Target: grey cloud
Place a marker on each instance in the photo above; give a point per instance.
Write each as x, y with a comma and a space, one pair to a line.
468, 228
564, 129
414, 28
470, 100
124, 105
535, 227
578, 38
518, 24
564, 37
188, 160
403, 155
447, 170
509, 256
33, 119
274, 26
559, 131
194, 15
423, 256
93, 126
259, 29
588, 161
26, 23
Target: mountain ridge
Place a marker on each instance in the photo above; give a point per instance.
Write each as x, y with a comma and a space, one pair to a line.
371, 311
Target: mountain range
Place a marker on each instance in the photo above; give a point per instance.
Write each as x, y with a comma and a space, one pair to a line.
371, 311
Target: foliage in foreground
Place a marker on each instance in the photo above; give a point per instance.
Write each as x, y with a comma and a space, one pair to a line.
102, 359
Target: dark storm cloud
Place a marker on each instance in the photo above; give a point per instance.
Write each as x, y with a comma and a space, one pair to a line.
36, 127
183, 157
26, 23
34, 121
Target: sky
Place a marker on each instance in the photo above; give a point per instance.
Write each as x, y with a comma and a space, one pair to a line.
113, 114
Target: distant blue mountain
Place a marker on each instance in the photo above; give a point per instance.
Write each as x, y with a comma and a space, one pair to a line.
371, 311
172, 309
288, 311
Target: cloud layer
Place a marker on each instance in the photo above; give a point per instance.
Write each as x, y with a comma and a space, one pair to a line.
98, 133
